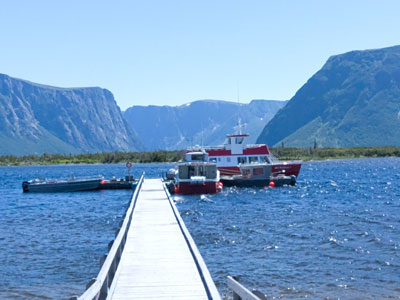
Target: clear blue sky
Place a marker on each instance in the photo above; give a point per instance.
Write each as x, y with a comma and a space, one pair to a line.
173, 52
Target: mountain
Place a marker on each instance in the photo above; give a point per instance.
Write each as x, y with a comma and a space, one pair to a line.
36, 118
354, 100
177, 127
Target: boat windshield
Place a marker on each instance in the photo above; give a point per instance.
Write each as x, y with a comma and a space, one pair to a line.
239, 140
253, 159
197, 157
265, 159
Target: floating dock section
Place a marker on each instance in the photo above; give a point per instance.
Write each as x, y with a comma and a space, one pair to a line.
153, 255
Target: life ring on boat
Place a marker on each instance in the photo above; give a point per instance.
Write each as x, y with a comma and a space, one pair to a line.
128, 165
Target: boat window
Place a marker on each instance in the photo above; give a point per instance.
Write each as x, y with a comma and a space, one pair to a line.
213, 159
211, 172
242, 159
228, 159
219, 158
253, 159
239, 140
246, 172
191, 171
198, 157
265, 159
258, 171
200, 171
183, 172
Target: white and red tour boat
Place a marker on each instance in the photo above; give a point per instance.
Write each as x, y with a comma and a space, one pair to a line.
197, 175
236, 152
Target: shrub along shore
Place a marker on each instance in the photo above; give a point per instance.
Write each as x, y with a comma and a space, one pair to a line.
282, 153
92, 158
334, 153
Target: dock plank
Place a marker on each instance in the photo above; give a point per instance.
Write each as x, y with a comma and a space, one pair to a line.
156, 262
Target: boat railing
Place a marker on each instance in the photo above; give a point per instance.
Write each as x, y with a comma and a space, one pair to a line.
71, 178
98, 287
253, 145
273, 158
239, 291
86, 177
221, 146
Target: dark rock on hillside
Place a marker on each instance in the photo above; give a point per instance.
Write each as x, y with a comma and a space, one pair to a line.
354, 100
177, 127
36, 118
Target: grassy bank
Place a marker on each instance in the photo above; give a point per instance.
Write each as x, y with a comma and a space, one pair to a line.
334, 153
103, 158
173, 156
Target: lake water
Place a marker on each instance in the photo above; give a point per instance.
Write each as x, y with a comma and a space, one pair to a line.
336, 235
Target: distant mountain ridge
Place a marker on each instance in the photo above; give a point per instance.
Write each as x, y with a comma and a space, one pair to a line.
202, 121
36, 118
354, 100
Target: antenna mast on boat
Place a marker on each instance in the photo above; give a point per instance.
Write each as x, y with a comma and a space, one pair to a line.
239, 125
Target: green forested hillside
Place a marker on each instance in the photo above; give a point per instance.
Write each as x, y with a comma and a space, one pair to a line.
354, 100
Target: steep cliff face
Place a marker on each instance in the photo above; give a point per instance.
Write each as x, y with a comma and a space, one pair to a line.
36, 118
177, 127
354, 100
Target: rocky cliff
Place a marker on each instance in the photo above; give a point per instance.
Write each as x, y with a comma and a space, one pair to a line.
177, 127
354, 100
36, 118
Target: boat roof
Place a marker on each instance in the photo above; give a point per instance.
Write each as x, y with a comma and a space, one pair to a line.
237, 135
196, 152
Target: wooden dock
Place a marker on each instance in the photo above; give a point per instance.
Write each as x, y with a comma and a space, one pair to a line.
157, 258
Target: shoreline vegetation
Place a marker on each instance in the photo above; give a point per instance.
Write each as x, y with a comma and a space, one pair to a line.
283, 153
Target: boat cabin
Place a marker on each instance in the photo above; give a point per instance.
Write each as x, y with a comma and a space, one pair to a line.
193, 171
235, 143
197, 156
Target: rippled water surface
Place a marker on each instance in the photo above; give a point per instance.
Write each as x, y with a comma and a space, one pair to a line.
336, 235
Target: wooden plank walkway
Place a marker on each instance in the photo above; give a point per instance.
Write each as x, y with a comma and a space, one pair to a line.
158, 261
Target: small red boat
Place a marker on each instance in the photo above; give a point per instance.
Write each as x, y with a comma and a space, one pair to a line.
197, 175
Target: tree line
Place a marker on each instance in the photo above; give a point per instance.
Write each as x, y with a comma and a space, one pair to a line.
92, 158
316, 153
283, 153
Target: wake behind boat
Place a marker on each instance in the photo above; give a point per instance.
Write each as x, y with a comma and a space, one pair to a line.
41, 185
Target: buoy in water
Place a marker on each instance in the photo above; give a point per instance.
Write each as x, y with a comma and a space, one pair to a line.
271, 184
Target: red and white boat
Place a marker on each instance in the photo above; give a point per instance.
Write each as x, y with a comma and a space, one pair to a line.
197, 175
236, 152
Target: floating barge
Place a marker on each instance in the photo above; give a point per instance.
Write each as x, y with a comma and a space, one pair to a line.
258, 175
41, 185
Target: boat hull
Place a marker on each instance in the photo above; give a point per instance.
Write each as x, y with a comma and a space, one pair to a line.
288, 168
187, 188
61, 187
244, 182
